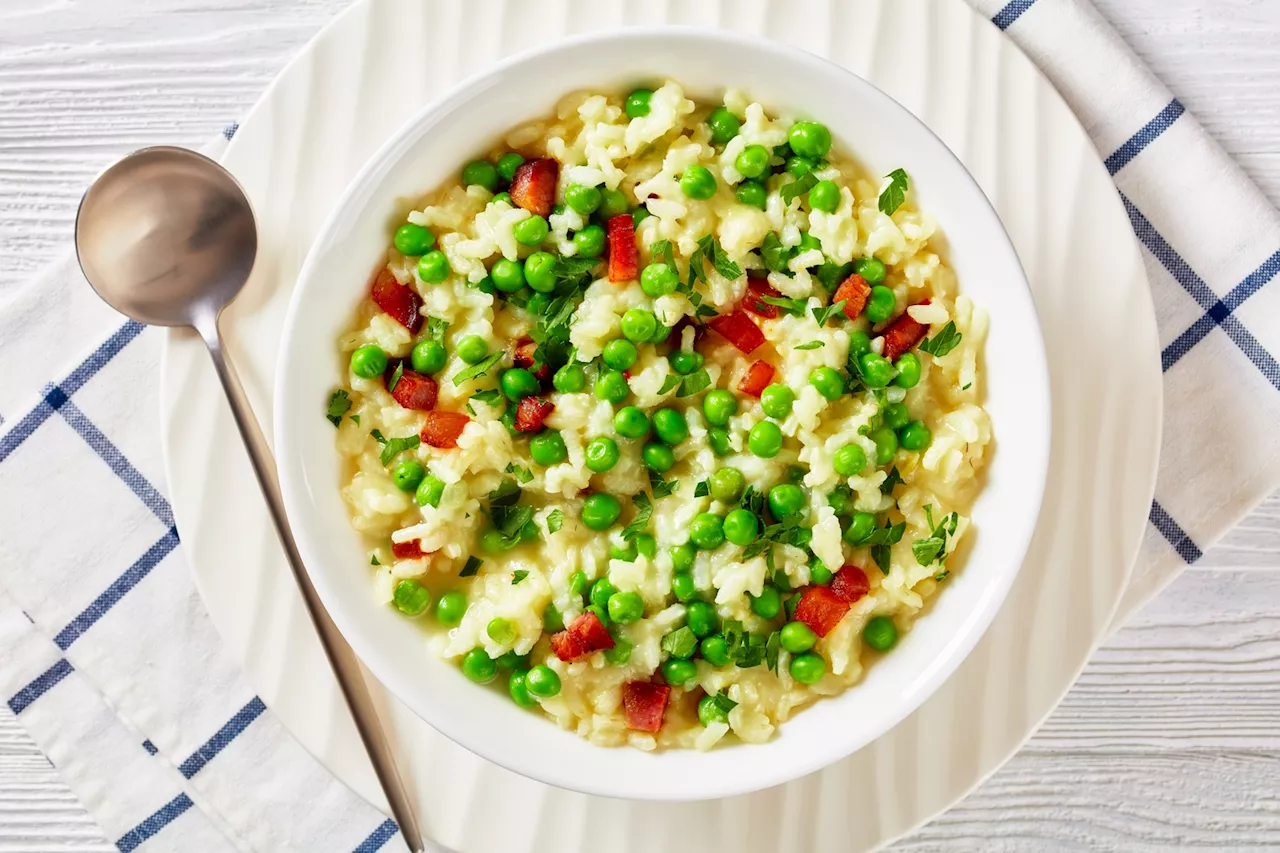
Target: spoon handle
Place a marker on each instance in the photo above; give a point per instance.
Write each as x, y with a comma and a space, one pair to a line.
346, 667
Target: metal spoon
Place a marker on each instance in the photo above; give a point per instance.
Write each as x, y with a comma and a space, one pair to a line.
167, 237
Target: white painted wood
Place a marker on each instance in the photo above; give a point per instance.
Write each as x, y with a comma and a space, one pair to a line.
1171, 739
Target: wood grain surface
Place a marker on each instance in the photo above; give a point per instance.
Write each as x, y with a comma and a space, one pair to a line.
1170, 740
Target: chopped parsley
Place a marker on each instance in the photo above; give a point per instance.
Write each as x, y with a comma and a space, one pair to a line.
662, 488
964, 387
894, 478
943, 342
477, 370
394, 447
490, 398
710, 251
895, 193
523, 474
942, 575
509, 518
798, 187
723, 702
670, 383
881, 540
436, 328
472, 566
823, 314
771, 650
702, 489
773, 253
662, 251
355, 419
934, 548
680, 643
555, 520
694, 383
812, 345
733, 635
644, 512
519, 575
794, 307
339, 405
378, 436
507, 493
373, 561
395, 376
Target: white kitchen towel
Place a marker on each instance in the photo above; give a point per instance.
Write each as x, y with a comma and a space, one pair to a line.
109, 659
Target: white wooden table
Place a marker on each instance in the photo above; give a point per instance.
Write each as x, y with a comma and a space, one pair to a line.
1171, 739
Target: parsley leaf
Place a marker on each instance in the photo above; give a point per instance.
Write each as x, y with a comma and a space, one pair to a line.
519, 575
934, 547
943, 342
373, 561
490, 398
511, 521
669, 384
396, 446
644, 512
702, 489
774, 255
892, 197
710, 251
355, 419
794, 307
436, 328
942, 575
662, 251
751, 652
574, 273
472, 566
680, 643
477, 370
752, 501
339, 405
395, 376
523, 474
555, 520
704, 311
507, 493
662, 488
694, 383
823, 314
771, 650
964, 387
378, 436
720, 261
723, 702
894, 478
798, 187
811, 345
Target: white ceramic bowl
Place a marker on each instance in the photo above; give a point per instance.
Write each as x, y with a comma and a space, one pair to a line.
428, 152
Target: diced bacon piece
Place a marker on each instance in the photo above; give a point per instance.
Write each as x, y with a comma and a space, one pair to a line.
400, 301
821, 609
855, 291
415, 391
645, 704
443, 428
523, 356
624, 256
411, 550
738, 329
758, 286
757, 378
850, 584
587, 634
903, 334
531, 412
533, 186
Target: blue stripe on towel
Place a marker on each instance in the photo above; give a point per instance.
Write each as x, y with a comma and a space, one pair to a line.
39, 686
1178, 538
1140, 140
1011, 12
150, 827
116, 460
233, 727
380, 836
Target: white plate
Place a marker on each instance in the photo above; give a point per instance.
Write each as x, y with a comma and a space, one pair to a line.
373, 68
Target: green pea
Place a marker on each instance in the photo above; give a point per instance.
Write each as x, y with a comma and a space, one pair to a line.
638, 103
861, 525
718, 440
809, 139
797, 637
682, 557
765, 440
859, 343
640, 214
600, 613
685, 362
519, 690
808, 668
547, 448
719, 406
413, 240
880, 304
777, 400
627, 554
715, 650
800, 166
638, 325
578, 583
752, 161
706, 531
570, 379
601, 591
428, 356
825, 196
600, 511
408, 474
612, 203
658, 279
840, 500
727, 485
872, 270
478, 666
472, 349
552, 620
411, 597
710, 712
896, 416
507, 165
612, 386
660, 334
753, 194
518, 383
542, 681
508, 276
658, 457
429, 491
620, 354
828, 382
531, 231
877, 371
510, 660
880, 634
368, 361
670, 426
908, 367
450, 608
850, 460
601, 453
785, 500
504, 198
480, 173
582, 199
819, 574
493, 541
589, 241
501, 631
626, 607
886, 441
915, 436
724, 125
484, 285
647, 545
620, 653
678, 673
631, 422
530, 533
698, 183
741, 527
683, 587
540, 270
433, 267
808, 242
768, 604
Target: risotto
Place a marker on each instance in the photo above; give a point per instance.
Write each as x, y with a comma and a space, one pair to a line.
665, 417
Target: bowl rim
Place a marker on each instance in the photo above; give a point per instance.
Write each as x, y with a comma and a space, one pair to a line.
968, 632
